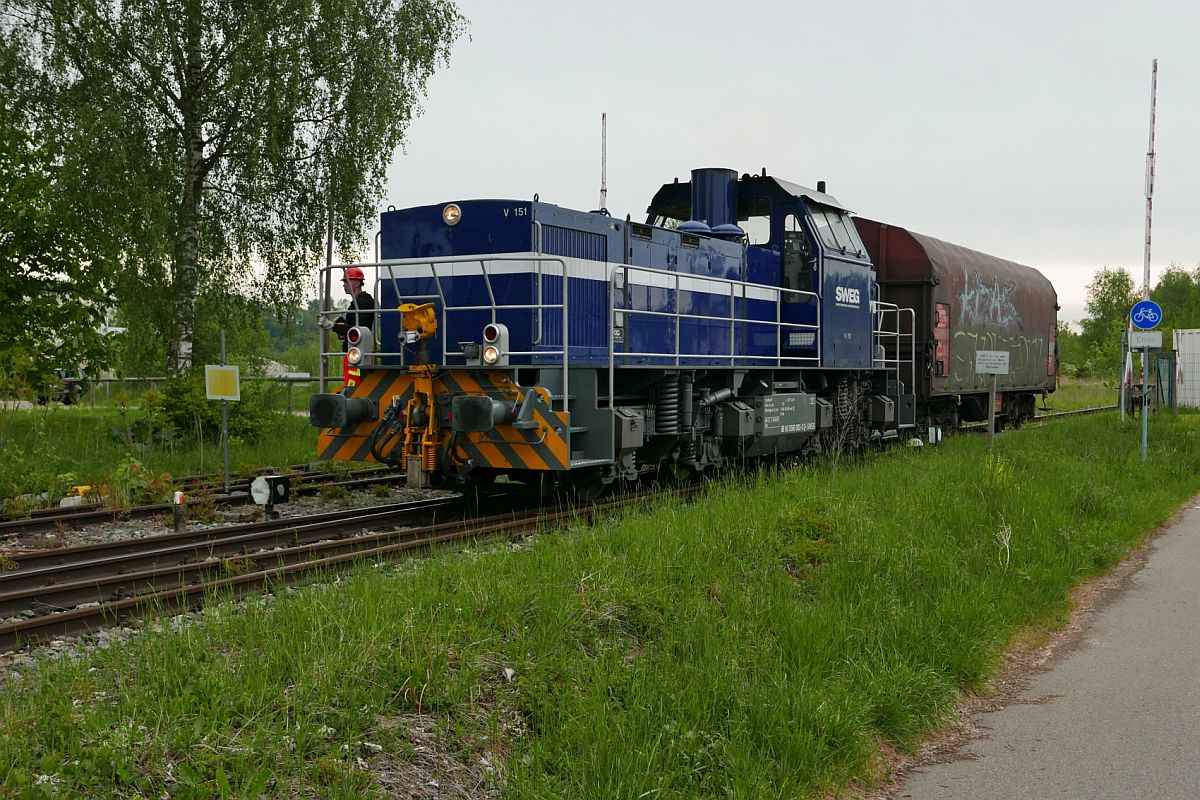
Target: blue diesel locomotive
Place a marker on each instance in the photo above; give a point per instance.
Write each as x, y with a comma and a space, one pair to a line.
743, 319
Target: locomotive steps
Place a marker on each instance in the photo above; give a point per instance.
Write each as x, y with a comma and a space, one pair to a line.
764, 641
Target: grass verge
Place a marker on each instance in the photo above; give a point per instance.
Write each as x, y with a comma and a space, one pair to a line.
760, 643
1076, 393
49, 449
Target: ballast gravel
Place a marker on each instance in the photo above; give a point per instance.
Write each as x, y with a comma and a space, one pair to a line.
14, 665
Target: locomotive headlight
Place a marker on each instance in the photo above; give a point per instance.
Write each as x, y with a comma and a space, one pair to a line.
359, 340
495, 344
451, 214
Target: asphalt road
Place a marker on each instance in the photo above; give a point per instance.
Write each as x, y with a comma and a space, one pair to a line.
1117, 717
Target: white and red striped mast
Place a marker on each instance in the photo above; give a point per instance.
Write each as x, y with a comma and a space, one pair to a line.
1127, 357
1150, 179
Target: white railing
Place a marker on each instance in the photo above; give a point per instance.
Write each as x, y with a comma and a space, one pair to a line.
386, 271
890, 342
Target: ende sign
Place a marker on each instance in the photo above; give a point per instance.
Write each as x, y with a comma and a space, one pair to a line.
1145, 340
991, 362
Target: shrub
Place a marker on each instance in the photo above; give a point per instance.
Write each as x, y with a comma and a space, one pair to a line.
194, 417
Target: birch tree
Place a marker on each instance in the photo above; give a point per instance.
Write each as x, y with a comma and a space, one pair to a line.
217, 139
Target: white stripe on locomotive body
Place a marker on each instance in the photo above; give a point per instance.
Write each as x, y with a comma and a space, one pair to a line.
580, 269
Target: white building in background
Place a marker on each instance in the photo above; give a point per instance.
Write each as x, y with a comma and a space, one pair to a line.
1187, 368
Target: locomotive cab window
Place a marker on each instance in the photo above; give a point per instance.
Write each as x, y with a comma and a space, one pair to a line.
799, 263
754, 217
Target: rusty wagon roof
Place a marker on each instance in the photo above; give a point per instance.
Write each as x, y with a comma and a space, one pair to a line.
901, 255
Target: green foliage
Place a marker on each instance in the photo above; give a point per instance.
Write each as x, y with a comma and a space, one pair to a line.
41, 444
1110, 296
1074, 361
53, 279
215, 140
1178, 292
132, 484
194, 417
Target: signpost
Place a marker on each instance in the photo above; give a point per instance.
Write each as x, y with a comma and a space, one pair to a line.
991, 362
222, 383
1145, 314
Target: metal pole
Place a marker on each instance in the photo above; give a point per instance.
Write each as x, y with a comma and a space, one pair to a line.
225, 419
1145, 398
604, 160
325, 295
992, 413
1124, 375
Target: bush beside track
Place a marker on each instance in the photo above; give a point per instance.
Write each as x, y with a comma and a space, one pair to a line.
762, 642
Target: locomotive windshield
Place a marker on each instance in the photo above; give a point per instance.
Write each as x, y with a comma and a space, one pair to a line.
836, 230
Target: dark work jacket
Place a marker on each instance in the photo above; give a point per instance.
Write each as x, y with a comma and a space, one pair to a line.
361, 312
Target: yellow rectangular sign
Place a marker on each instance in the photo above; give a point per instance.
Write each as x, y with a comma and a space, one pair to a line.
221, 382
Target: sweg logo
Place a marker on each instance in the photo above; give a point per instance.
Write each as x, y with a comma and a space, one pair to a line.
846, 297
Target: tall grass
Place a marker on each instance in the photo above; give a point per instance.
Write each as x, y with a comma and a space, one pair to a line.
759, 643
1076, 393
51, 447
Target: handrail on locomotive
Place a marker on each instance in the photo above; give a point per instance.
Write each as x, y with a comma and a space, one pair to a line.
887, 339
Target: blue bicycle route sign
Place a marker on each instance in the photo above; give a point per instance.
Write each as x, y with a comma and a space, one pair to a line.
1146, 314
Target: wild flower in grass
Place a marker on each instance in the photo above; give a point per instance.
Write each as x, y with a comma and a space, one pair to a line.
1004, 537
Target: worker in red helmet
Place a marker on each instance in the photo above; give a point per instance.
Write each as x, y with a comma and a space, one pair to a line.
361, 310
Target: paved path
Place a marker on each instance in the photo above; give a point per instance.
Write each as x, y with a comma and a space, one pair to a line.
1118, 717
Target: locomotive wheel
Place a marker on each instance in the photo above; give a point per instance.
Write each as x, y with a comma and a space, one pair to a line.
674, 473
585, 484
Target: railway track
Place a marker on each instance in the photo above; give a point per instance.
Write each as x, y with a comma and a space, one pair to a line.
1077, 412
53, 593
981, 427
81, 589
46, 520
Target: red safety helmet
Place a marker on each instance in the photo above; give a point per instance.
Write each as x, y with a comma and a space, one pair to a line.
355, 274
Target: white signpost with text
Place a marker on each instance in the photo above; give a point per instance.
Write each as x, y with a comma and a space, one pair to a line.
991, 362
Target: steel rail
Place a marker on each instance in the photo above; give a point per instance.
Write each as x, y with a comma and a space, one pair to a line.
187, 585
204, 484
1037, 419
63, 561
51, 520
100, 580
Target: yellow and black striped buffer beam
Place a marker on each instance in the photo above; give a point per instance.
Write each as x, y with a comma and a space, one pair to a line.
544, 446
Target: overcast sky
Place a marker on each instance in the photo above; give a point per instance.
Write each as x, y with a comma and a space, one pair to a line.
1020, 130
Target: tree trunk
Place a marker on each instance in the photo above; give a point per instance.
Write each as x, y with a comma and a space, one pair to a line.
185, 269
